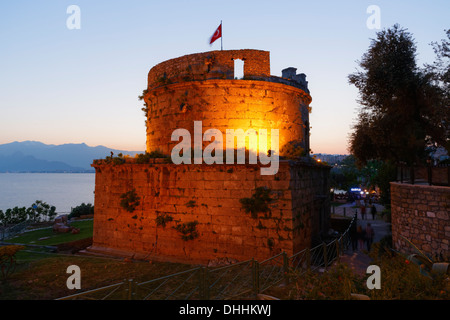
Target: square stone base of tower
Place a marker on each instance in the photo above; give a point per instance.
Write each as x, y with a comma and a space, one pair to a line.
199, 213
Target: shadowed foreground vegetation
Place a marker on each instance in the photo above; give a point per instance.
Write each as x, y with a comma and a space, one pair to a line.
41, 275
400, 280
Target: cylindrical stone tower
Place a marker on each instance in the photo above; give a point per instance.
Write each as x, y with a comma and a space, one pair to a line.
202, 87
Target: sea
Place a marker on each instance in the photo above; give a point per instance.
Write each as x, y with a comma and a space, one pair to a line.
62, 190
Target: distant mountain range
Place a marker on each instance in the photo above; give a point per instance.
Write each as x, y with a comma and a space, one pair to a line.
34, 156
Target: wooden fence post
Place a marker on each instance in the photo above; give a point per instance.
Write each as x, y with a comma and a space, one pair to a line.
255, 265
129, 289
338, 250
203, 284
325, 255
308, 259
285, 268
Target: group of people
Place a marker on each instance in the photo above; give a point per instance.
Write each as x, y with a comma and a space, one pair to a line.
360, 236
373, 211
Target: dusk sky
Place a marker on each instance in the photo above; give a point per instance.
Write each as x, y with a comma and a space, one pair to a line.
61, 85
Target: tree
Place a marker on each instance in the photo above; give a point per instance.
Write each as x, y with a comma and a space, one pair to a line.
83, 209
350, 172
40, 210
439, 72
403, 110
13, 216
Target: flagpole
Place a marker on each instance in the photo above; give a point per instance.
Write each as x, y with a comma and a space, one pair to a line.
221, 44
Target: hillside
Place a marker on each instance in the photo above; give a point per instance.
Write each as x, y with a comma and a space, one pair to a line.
34, 156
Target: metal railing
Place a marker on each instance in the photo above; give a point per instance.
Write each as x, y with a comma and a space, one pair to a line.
430, 174
242, 279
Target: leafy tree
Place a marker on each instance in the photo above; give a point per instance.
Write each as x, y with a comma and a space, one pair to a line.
403, 110
386, 172
13, 216
350, 171
40, 211
83, 209
439, 72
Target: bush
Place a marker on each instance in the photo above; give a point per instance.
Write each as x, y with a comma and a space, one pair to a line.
81, 210
401, 279
129, 200
259, 202
188, 230
338, 283
145, 157
8, 259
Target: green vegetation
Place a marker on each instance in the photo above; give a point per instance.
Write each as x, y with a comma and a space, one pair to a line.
188, 230
259, 202
50, 238
81, 210
400, 280
404, 108
374, 173
45, 277
191, 204
37, 212
120, 159
36, 272
8, 260
129, 200
145, 157
292, 151
163, 219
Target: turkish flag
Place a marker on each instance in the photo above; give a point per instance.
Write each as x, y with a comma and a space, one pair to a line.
217, 34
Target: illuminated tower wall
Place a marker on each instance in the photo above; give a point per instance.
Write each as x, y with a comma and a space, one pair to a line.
203, 87
195, 212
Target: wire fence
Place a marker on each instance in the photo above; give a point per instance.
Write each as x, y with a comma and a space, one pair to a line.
11, 231
244, 279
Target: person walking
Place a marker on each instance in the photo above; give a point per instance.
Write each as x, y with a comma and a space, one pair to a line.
353, 237
373, 211
363, 211
369, 236
360, 235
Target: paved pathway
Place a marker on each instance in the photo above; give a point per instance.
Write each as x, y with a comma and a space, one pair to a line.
359, 260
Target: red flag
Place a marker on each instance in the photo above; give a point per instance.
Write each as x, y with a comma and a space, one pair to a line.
217, 34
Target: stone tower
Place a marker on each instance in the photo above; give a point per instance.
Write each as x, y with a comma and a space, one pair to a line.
155, 209
202, 86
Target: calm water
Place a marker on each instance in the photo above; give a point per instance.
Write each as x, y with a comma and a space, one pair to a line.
62, 190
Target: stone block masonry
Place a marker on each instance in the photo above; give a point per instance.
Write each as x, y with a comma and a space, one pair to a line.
198, 212
193, 213
201, 87
421, 214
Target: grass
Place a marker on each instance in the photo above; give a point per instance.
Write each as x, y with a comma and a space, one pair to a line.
41, 275
45, 278
32, 237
